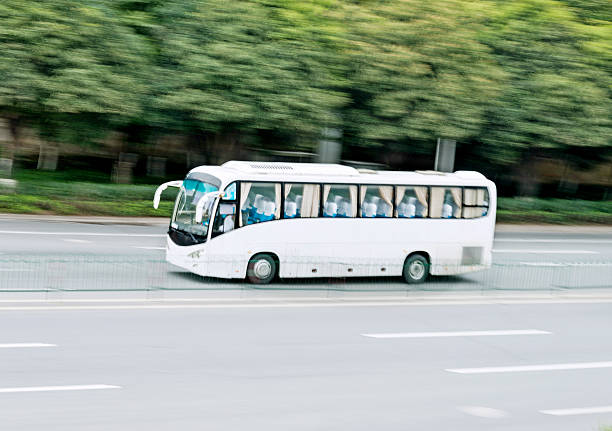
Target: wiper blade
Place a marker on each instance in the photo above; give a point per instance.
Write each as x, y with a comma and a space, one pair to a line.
188, 234
193, 238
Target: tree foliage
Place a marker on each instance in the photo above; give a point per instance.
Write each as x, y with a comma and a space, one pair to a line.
504, 76
557, 93
418, 70
68, 65
245, 66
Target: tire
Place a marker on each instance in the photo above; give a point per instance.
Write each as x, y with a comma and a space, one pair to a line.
261, 269
416, 269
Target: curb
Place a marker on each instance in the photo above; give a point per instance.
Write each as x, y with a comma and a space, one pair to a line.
547, 228
164, 221
104, 220
102, 302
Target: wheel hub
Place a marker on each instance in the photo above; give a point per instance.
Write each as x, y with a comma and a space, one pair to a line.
262, 268
416, 270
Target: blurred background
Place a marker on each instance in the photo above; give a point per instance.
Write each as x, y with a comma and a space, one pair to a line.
102, 100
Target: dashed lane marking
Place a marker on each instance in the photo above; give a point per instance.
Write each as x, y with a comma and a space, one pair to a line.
525, 368
483, 412
459, 333
57, 388
22, 345
578, 411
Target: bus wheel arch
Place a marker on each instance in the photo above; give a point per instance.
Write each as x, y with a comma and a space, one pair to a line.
417, 266
262, 268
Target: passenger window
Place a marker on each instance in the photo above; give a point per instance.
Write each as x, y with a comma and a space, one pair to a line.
476, 202
301, 200
445, 202
339, 200
376, 201
230, 193
224, 219
259, 202
411, 201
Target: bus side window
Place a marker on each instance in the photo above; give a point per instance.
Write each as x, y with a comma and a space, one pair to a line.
411, 202
230, 193
376, 201
476, 202
224, 219
445, 202
301, 200
259, 202
339, 200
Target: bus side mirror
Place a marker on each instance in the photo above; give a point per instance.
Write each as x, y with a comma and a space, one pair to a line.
199, 211
163, 187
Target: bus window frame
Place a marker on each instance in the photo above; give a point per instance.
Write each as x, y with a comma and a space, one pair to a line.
359, 186
239, 196
220, 200
321, 203
487, 206
393, 195
314, 183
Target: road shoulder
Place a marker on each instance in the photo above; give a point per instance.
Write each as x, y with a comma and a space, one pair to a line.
164, 221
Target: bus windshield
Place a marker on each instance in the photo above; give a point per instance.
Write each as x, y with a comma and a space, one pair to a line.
184, 217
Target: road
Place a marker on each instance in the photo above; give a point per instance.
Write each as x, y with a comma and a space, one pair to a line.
99, 333
338, 367
40, 255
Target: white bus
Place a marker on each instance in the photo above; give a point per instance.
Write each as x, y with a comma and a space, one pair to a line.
263, 220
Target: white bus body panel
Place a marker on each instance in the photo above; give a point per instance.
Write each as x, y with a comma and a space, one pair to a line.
343, 247
321, 247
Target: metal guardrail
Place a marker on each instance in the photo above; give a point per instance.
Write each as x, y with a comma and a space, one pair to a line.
45, 273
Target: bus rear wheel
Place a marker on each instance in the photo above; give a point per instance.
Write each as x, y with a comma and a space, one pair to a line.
261, 269
416, 269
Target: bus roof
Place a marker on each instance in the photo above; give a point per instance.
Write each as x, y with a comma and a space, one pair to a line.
290, 168
332, 173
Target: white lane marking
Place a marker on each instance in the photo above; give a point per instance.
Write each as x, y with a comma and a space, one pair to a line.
20, 345
532, 251
483, 412
23, 232
578, 411
557, 241
523, 368
391, 300
149, 248
459, 333
557, 264
78, 241
419, 303
57, 388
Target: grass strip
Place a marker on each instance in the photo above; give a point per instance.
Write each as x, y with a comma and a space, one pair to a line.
52, 193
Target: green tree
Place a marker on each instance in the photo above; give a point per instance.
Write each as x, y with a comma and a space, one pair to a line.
557, 95
69, 68
417, 71
247, 66
503, 77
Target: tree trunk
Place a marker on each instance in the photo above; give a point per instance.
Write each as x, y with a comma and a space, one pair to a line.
9, 136
529, 185
48, 156
123, 169
225, 146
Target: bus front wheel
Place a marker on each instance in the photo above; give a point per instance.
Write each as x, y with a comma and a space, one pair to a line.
416, 269
261, 269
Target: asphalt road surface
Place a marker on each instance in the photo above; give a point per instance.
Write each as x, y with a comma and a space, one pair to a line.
100, 334
49, 255
544, 366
